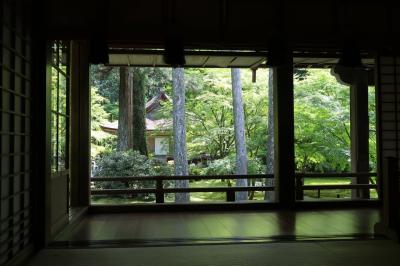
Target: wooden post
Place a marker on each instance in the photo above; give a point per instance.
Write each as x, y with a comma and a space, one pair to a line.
284, 133
230, 196
159, 193
359, 132
299, 188
80, 125
391, 196
389, 223
358, 79
41, 142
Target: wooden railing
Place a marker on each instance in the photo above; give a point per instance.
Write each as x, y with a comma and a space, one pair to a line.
300, 187
160, 190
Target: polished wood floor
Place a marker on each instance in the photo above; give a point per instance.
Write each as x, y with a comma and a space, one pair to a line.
223, 226
314, 253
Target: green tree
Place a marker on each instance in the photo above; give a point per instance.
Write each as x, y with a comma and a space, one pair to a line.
125, 114
239, 130
322, 123
139, 111
210, 117
100, 140
157, 79
107, 81
179, 128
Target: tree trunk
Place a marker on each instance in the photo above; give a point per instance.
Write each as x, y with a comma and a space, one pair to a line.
125, 110
270, 195
179, 128
240, 139
139, 112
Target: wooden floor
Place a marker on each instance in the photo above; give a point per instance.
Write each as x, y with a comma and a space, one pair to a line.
198, 227
310, 253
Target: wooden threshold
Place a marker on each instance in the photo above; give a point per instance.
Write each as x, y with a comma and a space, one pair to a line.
232, 206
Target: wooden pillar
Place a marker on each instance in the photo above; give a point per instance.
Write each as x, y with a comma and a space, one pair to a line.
48, 150
40, 142
358, 79
359, 132
284, 166
390, 215
80, 164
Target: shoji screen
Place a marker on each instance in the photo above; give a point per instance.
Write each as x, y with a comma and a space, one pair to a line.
389, 105
15, 85
388, 83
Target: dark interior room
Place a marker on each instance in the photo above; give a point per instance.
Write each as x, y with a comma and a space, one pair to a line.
212, 132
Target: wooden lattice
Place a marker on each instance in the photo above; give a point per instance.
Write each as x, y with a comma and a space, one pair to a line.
15, 101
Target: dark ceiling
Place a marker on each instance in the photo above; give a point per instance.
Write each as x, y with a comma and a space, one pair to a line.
222, 24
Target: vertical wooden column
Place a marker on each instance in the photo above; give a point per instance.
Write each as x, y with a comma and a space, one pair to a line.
40, 130
359, 132
80, 125
47, 147
284, 133
358, 79
390, 214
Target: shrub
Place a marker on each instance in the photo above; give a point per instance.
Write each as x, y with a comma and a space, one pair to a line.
196, 170
161, 168
128, 163
224, 166
227, 166
255, 166
123, 163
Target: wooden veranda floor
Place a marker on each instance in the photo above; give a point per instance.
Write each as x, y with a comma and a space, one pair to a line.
314, 253
177, 228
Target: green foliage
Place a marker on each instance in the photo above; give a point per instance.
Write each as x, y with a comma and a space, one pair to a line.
98, 112
300, 73
196, 170
123, 163
226, 166
210, 118
158, 79
255, 98
255, 166
161, 168
322, 123
106, 79
100, 140
322, 117
372, 128
128, 163
209, 113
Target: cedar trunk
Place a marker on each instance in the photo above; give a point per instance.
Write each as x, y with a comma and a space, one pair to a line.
240, 139
179, 128
139, 112
125, 110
